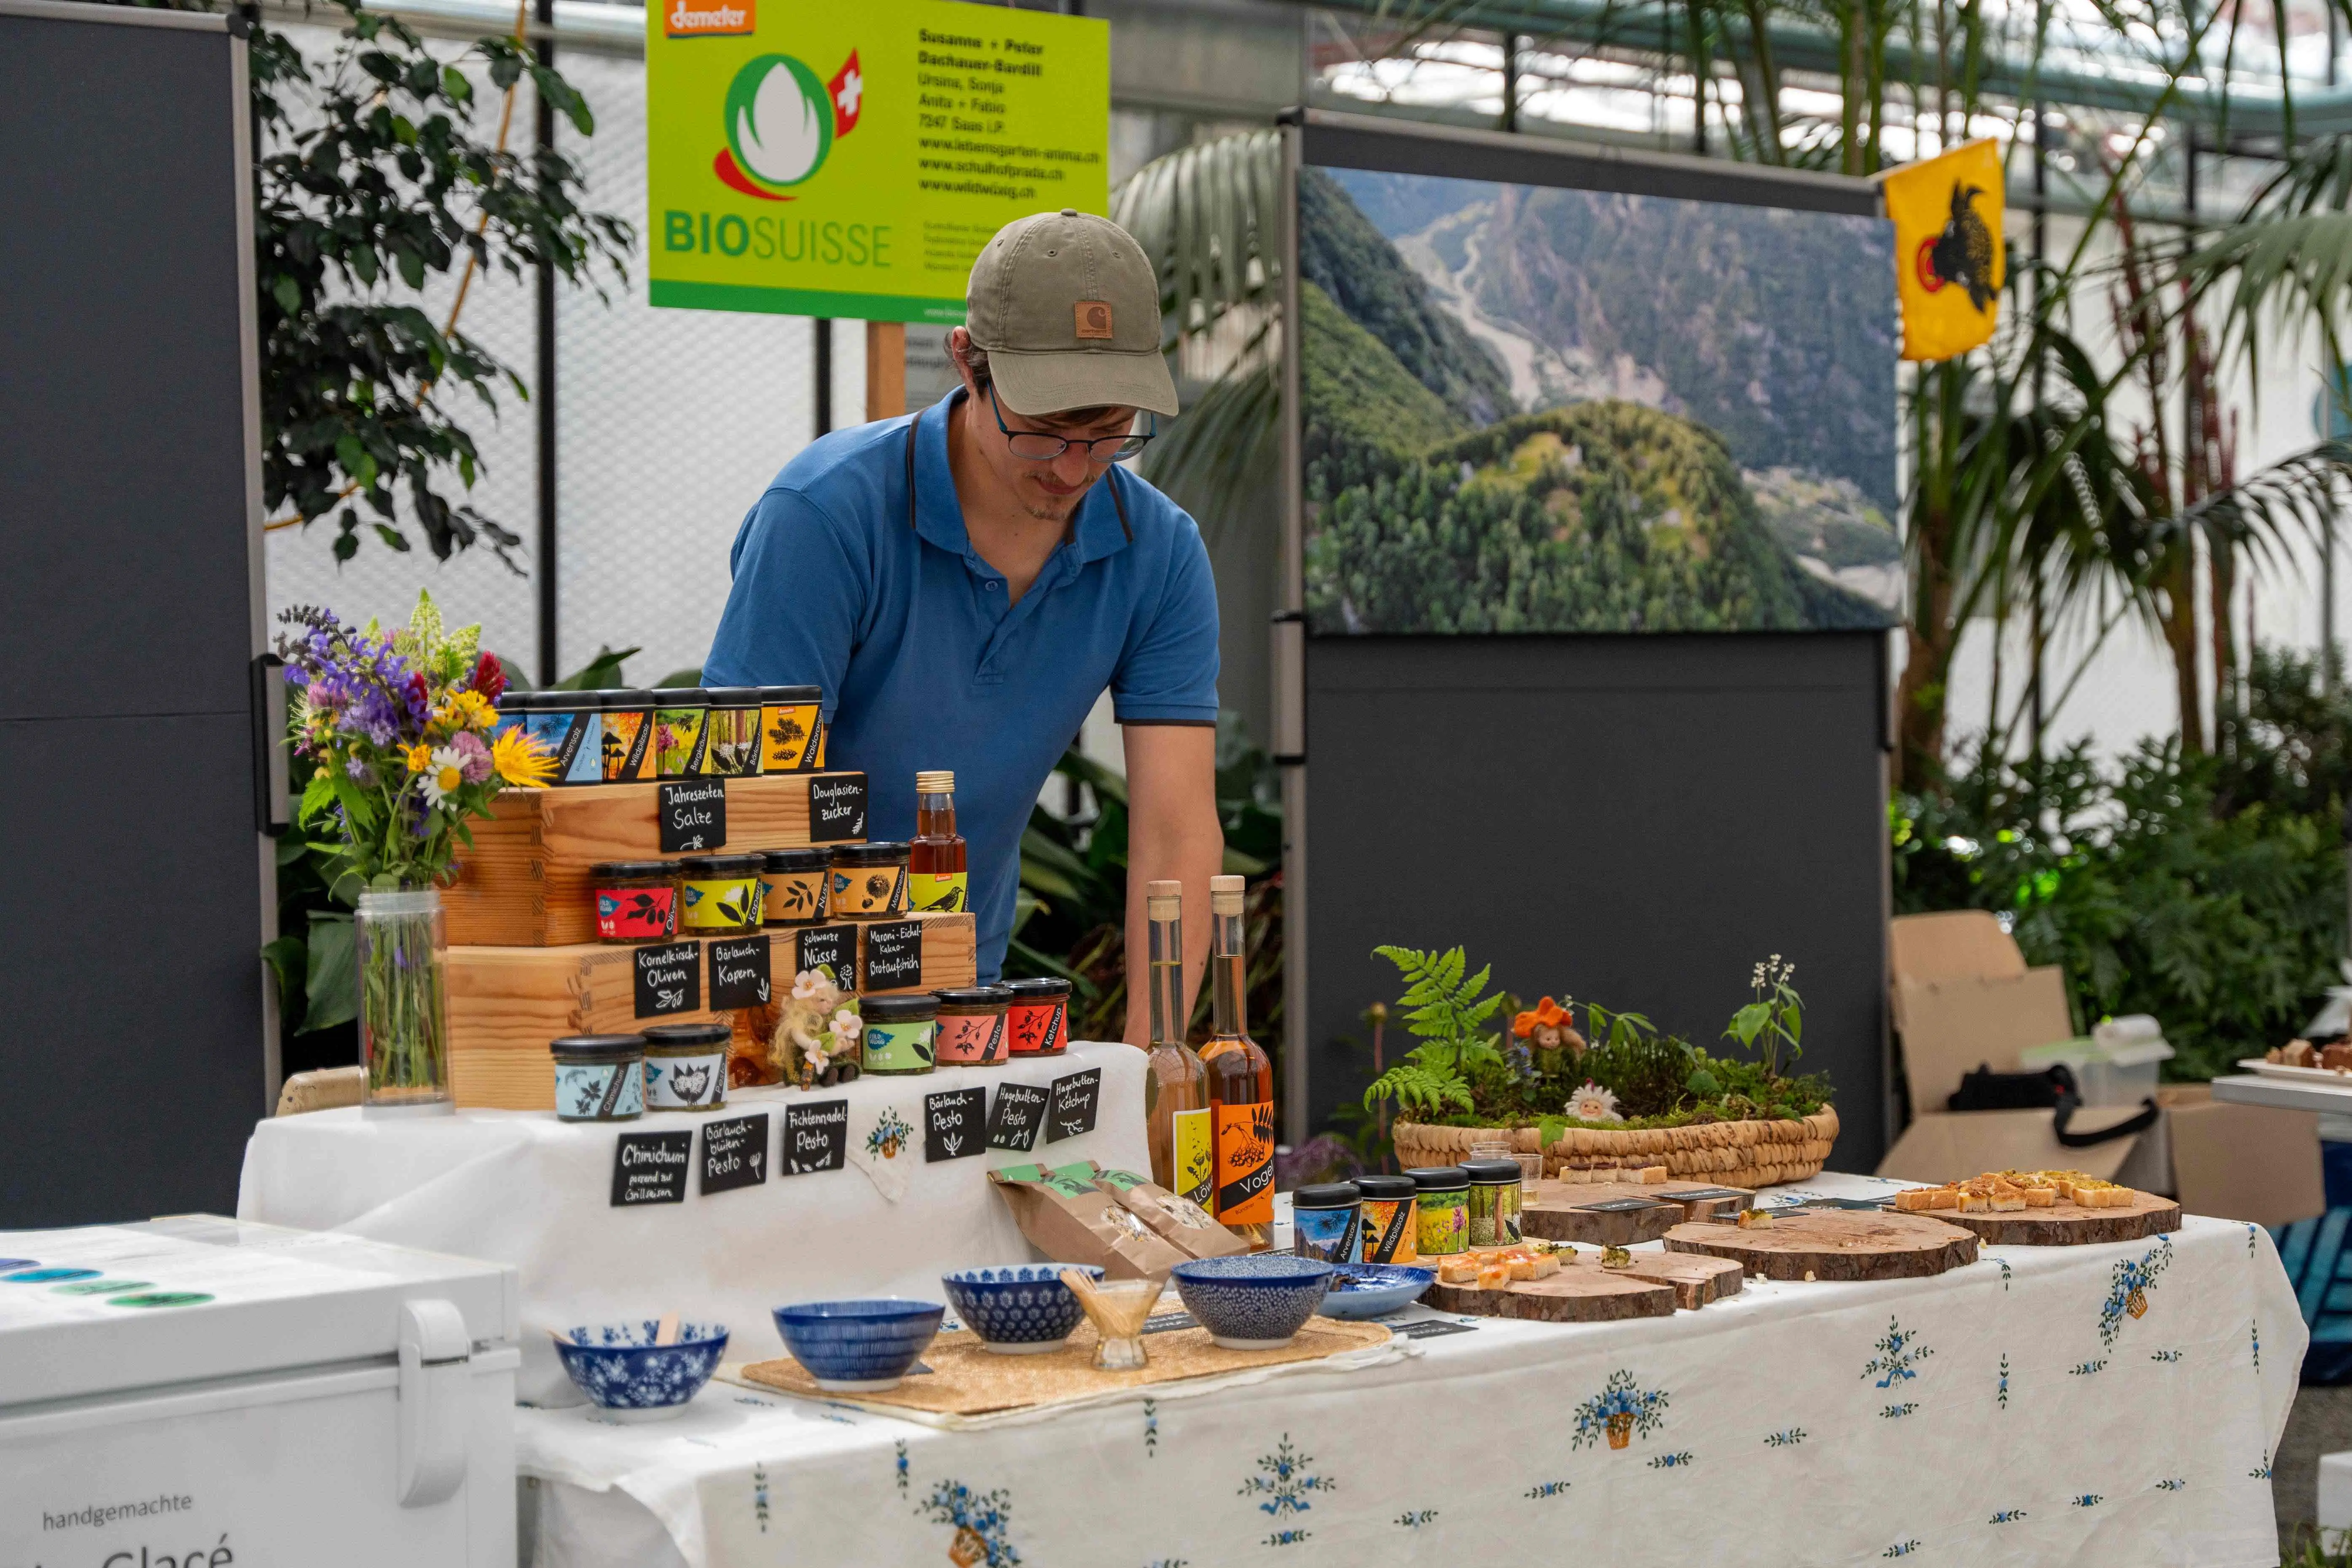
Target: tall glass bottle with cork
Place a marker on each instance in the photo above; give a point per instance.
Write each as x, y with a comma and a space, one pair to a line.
936, 879
1175, 1088
1240, 1078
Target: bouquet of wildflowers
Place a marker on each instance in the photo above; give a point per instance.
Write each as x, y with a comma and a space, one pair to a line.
399, 725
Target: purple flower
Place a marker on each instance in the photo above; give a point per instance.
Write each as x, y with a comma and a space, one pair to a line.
469, 745
360, 773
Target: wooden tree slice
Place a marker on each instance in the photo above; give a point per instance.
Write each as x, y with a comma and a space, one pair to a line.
1560, 1211
2070, 1225
1836, 1245
1697, 1278
1576, 1294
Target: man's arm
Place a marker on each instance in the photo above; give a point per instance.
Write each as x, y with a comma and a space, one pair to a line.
1173, 834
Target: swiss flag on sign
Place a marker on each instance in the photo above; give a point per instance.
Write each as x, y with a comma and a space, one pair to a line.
848, 89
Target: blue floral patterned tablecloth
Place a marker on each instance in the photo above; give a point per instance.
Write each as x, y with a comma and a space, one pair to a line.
2095, 1404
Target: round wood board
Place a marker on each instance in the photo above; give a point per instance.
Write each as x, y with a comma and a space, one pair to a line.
1560, 1211
2069, 1224
1858, 1245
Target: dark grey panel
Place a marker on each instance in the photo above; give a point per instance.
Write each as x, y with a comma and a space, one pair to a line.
133, 1021
123, 565
1636, 819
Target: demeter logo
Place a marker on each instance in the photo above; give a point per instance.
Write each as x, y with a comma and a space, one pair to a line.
709, 19
781, 121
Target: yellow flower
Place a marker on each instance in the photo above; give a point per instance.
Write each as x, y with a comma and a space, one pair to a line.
521, 762
419, 759
472, 710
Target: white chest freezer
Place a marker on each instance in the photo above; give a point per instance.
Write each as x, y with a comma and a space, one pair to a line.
202, 1392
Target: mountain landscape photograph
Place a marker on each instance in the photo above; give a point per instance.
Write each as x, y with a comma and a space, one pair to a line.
1538, 409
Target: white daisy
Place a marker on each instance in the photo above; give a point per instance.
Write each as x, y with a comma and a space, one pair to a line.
447, 774
1593, 1103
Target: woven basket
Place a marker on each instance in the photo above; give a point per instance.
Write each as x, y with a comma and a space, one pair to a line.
1735, 1153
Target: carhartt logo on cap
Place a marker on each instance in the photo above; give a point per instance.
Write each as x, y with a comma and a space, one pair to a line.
1094, 318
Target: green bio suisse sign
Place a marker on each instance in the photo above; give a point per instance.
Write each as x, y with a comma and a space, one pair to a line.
850, 159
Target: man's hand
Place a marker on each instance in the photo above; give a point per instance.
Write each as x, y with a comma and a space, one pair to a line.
1173, 834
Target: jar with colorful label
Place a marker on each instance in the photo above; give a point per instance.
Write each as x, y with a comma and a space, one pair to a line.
972, 1025
685, 1066
514, 713
569, 727
636, 901
628, 737
899, 1034
719, 895
789, 723
1323, 1222
1038, 1023
792, 886
599, 1077
681, 717
869, 881
1442, 1209
732, 749
1389, 1223
1494, 1202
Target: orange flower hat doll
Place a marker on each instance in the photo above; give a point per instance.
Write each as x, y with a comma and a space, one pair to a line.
1546, 1028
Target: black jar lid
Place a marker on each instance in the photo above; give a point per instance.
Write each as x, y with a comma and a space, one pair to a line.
566, 701
513, 701
1494, 1172
880, 852
594, 1049
681, 697
782, 694
1439, 1178
733, 696
1045, 988
810, 857
1326, 1196
687, 1035
975, 996
714, 868
1385, 1187
624, 696
897, 1010
630, 871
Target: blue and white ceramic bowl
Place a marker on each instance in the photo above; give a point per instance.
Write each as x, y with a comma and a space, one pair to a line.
1254, 1300
1020, 1311
1371, 1289
629, 1377
858, 1347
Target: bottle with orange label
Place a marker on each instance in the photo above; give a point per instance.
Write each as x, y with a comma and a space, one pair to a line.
1241, 1079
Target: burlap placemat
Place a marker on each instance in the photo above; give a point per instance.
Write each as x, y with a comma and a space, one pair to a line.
966, 1380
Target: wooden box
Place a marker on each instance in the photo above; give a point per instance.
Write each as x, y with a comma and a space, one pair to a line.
507, 1003
524, 883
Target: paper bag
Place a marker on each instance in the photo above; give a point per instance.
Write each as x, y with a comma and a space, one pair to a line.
1070, 1220
1178, 1219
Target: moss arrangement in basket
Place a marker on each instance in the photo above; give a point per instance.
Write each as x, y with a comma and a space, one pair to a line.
1629, 1078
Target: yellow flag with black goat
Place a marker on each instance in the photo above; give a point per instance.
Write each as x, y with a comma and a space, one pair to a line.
1948, 256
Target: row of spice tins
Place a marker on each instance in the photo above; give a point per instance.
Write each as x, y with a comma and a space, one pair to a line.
731, 895
1431, 1212
630, 736
683, 1066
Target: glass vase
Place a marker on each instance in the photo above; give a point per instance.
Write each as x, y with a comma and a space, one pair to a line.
404, 1003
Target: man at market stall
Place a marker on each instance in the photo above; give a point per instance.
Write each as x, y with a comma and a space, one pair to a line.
964, 583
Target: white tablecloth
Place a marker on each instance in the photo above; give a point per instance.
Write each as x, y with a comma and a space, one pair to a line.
521, 1187
2012, 1412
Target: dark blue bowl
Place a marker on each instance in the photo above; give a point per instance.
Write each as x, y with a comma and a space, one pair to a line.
623, 1372
1254, 1300
858, 1347
1022, 1310
1370, 1289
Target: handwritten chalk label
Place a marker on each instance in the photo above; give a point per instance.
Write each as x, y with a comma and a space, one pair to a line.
693, 814
953, 1124
829, 948
739, 973
650, 1168
893, 956
816, 1136
669, 979
1014, 1118
837, 807
734, 1153
1073, 1111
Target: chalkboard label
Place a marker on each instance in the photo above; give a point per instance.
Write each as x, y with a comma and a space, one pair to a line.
693, 813
669, 979
739, 973
1014, 1118
816, 1136
1621, 1206
893, 956
829, 948
1073, 1111
953, 1124
650, 1168
734, 1153
837, 807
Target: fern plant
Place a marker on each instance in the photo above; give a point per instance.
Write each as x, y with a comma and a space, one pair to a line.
1447, 1013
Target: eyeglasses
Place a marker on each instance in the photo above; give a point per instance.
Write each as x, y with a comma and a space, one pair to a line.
1044, 446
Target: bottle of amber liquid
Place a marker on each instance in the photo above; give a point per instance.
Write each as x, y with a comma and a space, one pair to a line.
935, 863
1241, 1079
1175, 1089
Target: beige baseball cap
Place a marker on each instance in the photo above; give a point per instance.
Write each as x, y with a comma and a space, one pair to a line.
1067, 306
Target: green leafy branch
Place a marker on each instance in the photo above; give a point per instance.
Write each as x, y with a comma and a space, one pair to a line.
1446, 1012
1776, 1018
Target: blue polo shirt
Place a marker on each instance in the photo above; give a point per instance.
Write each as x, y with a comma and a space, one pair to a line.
923, 662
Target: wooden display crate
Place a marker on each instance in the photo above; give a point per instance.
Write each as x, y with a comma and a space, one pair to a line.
507, 1003
524, 883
